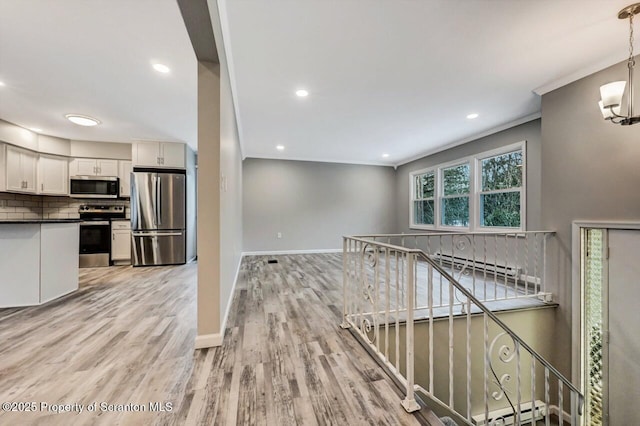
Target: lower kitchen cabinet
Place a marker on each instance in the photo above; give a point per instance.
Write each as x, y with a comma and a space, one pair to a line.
121, 242
39, 262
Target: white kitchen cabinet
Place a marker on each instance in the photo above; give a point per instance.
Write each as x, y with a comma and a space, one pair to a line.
53, 175
124, 173
93, 167
121, 242
21, 169
159, 155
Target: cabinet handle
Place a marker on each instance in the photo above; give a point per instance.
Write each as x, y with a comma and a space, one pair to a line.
42, 187
113, 236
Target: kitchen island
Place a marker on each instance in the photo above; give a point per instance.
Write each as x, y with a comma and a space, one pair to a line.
38, 260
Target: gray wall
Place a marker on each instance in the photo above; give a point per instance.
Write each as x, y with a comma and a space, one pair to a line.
590, 172
230, 179
313, 204
528, 131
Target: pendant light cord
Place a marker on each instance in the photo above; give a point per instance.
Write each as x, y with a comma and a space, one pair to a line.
631, 64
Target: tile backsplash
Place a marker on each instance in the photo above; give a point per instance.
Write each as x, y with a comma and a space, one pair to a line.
22, 206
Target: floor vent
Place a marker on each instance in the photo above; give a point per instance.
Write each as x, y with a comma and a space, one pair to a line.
272, 261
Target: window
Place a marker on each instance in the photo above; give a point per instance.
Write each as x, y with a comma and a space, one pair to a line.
424, 198
501, 190
456, 184
482, 192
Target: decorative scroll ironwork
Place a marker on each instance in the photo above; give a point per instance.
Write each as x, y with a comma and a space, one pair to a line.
506, 354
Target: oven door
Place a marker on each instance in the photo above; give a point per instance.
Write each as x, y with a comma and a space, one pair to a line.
95, 243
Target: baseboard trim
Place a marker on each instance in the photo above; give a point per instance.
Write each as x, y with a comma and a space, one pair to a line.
230, 301
216, 339
277, 252
209, 340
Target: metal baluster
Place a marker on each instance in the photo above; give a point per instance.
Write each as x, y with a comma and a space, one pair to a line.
560, 401
376, 299
506, 262
547, 419
543, 281
397, 314
409, 402
486, 367
517, 263
431, 359
535, 255
345, 283
387, 287
451, 290
495, 270
518, 385
441, 253
473, 265
574, 408
484, 276
533, 386
469, 360
526, 263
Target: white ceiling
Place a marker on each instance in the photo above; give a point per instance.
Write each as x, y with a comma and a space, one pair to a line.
399, 77
384, 76
94, 58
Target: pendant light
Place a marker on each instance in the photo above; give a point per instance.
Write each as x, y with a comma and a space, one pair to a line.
612, 93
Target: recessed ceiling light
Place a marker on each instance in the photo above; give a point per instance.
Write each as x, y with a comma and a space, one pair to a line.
82, 120
35, 129
302, 93
472, 116
280, 147
385, 155
161, 68
2, 83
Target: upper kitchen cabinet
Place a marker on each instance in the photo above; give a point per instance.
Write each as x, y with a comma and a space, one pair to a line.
53, 175
159, 155
21, 169
93, 167
124, 173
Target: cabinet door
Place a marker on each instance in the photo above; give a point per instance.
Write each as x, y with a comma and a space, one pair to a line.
125, 178
15, 182
83, 167
29, 166
146, 154
120, 244
172, 155
107, 167
53, 175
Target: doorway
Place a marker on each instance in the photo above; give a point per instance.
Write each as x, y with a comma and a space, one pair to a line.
610, 325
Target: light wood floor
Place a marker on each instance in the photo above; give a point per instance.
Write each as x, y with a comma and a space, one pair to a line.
126, 337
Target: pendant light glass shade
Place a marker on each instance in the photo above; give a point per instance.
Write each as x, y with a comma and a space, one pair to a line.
611, 94
606, 112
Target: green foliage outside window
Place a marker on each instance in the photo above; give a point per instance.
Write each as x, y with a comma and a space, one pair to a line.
456, 181
501, 173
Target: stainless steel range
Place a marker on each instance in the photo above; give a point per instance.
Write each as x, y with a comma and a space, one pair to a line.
95, 233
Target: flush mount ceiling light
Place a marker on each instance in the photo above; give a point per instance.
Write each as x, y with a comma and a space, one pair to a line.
2, 83
612, 93
161, 68
280, 147
302, 93
472, 116
82, 120
385, 155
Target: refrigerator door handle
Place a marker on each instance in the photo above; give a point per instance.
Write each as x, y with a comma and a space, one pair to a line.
154, 201
159, 202
156, 234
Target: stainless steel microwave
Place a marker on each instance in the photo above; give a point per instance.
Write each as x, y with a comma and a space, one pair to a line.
94, 187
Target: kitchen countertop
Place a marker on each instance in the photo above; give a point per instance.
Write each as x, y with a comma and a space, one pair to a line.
22, 221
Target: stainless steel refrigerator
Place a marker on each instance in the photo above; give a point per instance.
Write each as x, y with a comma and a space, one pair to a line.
158, 218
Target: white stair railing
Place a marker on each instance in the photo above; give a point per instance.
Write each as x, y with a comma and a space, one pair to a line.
504, 381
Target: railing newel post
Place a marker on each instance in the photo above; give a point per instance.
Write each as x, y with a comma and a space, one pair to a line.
409, 403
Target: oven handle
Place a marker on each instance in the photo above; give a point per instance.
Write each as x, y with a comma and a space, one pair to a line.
95, 222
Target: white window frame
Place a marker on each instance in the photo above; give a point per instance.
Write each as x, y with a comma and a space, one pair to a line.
413, 199
441, 196
475, 190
